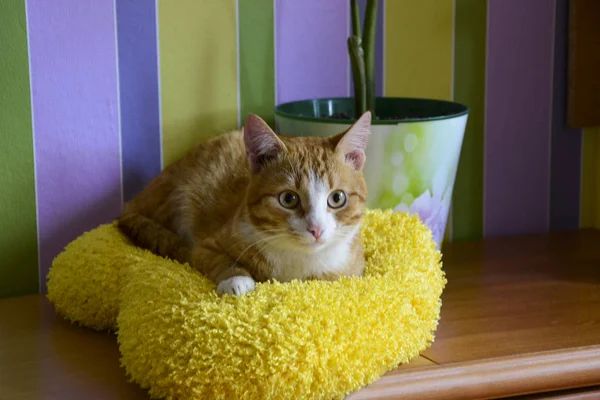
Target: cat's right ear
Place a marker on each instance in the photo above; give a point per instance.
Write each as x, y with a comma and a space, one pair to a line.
262, 144
353, 142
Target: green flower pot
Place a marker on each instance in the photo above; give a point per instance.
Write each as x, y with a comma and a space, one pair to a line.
413, 151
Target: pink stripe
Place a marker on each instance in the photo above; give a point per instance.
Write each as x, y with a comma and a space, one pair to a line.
518, 116
74, 86
311, 51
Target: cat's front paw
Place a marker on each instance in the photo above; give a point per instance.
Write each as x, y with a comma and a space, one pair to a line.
236, 285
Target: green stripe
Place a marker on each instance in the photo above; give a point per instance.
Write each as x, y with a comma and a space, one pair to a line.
469, 89
257, 59
18, 236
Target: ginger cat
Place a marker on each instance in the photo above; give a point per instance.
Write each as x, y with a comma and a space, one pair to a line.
252, 206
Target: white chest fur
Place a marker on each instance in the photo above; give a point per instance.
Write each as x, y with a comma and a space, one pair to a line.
289, 265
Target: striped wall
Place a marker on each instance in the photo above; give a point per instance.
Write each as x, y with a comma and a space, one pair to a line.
518, 110
590, 187
18, 234
96, 98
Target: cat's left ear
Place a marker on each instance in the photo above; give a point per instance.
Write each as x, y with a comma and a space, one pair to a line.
353, 142
262, 144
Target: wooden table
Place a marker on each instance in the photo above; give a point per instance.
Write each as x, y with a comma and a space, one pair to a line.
519, 316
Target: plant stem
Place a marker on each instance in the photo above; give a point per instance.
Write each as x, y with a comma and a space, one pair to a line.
369, 33
355, 17
358, 73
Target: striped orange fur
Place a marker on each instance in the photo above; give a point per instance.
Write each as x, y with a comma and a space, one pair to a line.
251, 206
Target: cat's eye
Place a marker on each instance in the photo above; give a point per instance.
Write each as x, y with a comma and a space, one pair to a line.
289, 199
337, 199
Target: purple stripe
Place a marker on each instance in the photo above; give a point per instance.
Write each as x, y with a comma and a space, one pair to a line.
362, 4
379, 49
311, 51
518, 114
138, 79
566, 142
74, 86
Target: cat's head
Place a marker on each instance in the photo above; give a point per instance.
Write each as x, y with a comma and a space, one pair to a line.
306, 193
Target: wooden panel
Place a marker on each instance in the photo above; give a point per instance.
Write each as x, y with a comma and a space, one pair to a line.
584, 63
527, 294
588, 393
491, 379
520, 315
419, 362
44, 357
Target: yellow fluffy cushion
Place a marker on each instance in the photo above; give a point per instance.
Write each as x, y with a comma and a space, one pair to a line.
309, 340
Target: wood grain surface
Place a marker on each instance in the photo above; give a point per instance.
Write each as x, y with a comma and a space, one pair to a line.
519, 316
519, 295
492, 378
587, 393
43, 357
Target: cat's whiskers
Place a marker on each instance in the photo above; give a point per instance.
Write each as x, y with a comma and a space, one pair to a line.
264, 248
266, 239
241, 239
204, 200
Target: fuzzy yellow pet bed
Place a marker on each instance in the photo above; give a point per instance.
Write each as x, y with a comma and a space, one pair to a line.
301, 340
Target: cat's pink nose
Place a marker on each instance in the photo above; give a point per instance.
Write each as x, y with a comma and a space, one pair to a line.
316, 232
